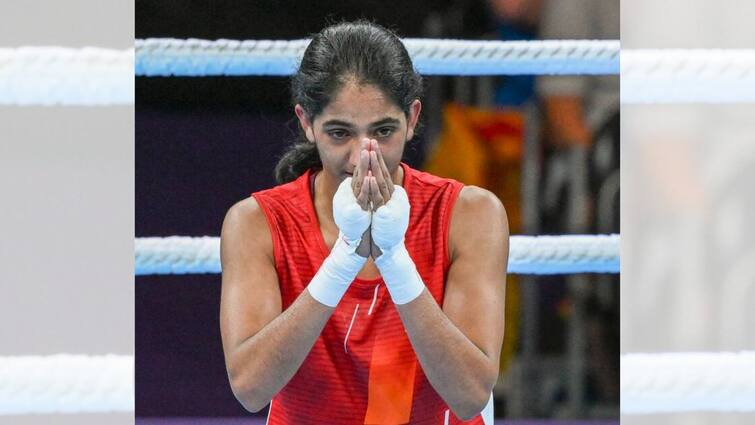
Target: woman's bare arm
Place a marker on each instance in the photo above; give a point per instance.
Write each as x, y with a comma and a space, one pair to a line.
459, 345
263, 346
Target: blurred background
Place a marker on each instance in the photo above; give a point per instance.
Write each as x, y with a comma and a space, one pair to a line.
688, 260
68, 196
548, 147
67, 208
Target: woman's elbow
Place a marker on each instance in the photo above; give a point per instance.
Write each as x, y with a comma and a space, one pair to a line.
470, 409
246, 390
473, 405
253, 406
248, 394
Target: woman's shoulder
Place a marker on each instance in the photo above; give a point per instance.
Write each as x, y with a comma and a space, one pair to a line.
477, 214
245, 233
245, 216
475, 204
477, 197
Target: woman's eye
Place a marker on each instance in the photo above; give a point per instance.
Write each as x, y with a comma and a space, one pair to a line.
338, 134
385, 132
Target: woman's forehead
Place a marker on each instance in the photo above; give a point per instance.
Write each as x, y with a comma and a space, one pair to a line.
360, 105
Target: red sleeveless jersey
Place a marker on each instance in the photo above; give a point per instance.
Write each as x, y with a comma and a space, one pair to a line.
362, 369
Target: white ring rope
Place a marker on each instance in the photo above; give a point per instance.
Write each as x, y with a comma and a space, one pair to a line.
66, 383
93, 76
527, 254
66, 76
687, 382
194, 57
650, 383
677, 76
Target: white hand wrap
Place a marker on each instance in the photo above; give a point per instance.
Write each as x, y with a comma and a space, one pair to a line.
389, 224
343, 264
350, 218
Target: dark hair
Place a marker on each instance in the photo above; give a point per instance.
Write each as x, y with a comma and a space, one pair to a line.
359, 51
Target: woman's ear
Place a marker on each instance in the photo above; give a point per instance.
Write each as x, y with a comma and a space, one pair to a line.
305, 123
414, 110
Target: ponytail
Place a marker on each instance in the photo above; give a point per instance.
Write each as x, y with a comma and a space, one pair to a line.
299, 158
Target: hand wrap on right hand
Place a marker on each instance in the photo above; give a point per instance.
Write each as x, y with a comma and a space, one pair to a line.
343, 264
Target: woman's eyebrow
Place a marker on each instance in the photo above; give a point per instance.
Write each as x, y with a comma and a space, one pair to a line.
340, 123
384, 121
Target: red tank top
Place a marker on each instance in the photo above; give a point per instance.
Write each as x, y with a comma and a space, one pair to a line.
362, 368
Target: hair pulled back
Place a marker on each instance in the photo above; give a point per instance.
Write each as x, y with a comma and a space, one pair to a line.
359, 51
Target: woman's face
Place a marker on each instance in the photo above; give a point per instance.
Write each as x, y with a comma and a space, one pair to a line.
359, 111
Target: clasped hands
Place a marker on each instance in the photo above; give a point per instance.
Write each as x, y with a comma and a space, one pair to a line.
372, 215
370, 211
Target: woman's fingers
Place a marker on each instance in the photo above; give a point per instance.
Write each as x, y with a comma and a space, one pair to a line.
380, 179
363, 198
371, 182
384, 169
375, 195
380, 171
357, 181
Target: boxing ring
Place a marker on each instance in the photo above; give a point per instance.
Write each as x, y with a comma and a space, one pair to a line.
650, 383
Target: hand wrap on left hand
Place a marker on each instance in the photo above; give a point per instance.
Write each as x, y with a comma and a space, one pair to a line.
389, 225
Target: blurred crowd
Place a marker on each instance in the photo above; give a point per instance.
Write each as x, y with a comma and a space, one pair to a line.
548, 146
